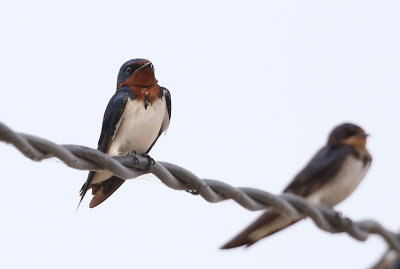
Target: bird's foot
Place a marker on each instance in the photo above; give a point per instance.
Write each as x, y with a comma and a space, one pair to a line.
348, 221
340, 219
135, 158
150, 161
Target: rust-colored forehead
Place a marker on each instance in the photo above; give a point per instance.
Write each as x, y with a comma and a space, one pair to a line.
355, 141
344, 131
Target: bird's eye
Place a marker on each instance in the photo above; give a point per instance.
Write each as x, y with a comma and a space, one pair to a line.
129, 70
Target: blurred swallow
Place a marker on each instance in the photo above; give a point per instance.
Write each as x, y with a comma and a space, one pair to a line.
390, 259
136, 115
328, 179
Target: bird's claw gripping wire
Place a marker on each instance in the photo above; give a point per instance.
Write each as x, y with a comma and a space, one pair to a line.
342, 220
135, 158
150, 161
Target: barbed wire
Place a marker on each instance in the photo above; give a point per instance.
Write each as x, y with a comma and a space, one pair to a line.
213, 191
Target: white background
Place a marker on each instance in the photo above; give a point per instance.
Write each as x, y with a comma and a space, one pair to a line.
256, 88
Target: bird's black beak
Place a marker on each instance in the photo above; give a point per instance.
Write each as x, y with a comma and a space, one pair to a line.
362, 135
145, 66
143, 76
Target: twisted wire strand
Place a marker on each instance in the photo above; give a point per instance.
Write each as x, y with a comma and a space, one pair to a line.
178, 178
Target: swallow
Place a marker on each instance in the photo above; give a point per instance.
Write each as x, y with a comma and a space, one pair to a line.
329, 178
135, 117
389, 260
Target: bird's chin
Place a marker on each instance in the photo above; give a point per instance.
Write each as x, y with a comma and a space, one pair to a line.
142, 78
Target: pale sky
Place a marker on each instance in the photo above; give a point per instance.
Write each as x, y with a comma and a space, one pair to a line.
256, 88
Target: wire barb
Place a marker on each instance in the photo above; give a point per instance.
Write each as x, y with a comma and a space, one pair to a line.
213, 191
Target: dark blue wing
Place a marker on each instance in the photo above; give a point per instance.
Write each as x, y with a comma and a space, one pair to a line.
325, 164
111, 118
167, 95
168, 100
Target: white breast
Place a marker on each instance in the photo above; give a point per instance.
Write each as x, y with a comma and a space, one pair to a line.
342, 185
138, 127
136, 131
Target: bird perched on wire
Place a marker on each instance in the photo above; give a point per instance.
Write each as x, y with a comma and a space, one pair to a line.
389, 260
135, 117
328, 179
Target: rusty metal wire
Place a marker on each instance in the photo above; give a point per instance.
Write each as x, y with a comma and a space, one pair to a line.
178, 178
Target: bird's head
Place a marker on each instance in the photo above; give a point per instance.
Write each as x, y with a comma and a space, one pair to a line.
136, 72
348, 133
